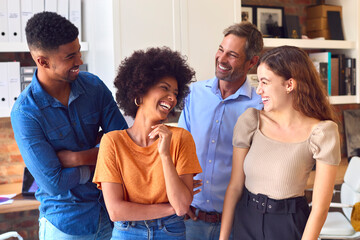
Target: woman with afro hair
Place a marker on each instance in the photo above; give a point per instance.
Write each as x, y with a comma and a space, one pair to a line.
146, 172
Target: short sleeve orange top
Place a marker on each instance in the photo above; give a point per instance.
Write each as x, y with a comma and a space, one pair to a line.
139, 169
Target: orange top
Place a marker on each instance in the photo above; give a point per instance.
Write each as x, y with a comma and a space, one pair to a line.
139, 169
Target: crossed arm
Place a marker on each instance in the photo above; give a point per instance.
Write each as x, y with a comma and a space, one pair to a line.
88, 157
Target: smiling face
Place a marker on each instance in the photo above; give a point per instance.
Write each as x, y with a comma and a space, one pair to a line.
230, 59
160, 99
274, 90
63, 64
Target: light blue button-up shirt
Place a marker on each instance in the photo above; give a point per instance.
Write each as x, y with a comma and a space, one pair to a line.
211, 120
43, 126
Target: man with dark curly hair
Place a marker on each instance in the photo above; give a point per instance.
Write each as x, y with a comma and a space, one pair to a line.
56, 121
146, 172
210, 113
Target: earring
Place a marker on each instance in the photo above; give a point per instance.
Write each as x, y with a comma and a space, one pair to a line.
136, 102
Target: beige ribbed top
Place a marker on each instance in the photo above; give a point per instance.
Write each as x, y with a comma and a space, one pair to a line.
278, 169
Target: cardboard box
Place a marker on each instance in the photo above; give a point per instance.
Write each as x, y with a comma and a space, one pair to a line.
320, 33
315, 24
319, 11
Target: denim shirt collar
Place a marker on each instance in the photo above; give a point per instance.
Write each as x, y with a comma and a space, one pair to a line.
244, 90
43, 99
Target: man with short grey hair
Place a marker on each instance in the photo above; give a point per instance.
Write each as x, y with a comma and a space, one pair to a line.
211, 111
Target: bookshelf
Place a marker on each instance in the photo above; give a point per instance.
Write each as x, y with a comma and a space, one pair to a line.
310, 43
350, 46
22, 47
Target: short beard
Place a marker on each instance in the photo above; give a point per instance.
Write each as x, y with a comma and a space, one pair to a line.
229, 78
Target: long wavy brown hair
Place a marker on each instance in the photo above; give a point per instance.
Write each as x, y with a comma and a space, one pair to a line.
310, 97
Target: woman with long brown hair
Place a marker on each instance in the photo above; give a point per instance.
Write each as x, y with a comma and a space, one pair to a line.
275, 150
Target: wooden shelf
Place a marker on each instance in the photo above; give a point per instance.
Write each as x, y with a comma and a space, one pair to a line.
343, 100
22, 47
309, 43
20, 203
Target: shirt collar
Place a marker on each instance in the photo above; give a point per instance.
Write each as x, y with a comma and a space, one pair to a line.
244, 90
43, 99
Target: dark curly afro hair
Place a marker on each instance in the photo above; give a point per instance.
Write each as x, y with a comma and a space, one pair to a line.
143, 69
48, 30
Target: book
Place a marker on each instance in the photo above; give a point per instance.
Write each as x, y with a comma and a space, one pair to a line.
322, 62
341, 73
350, 76
292, 24
353, 76
334, 76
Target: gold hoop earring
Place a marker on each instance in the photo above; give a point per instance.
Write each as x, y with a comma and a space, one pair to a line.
136, 102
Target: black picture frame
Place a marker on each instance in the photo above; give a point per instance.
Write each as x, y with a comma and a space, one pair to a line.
270, 21
247, 13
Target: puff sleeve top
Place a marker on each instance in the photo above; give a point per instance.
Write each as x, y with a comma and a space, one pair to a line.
279, 169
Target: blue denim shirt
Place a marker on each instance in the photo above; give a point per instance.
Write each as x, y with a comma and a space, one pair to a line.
43, 126
211, 120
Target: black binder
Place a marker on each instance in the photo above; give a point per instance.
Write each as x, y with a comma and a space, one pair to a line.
335, 26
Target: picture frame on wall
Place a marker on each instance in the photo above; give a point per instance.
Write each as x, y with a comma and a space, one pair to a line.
247, 13
352, 131
270, 21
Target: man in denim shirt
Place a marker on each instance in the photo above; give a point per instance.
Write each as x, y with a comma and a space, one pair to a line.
56, 121
210, 113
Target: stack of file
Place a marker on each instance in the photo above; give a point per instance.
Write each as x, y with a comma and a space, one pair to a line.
26, 76
9, 83
14, 15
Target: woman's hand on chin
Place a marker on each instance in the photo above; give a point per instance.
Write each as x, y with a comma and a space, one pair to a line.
164, 134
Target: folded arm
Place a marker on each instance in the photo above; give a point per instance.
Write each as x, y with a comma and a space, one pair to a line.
121, 210
179, 189
41, 159
70, 159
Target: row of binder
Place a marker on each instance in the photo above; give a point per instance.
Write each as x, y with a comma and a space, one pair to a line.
10, 86
14, 15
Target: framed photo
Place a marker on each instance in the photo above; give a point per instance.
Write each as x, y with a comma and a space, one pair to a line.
247, 13
352, 131
270, 21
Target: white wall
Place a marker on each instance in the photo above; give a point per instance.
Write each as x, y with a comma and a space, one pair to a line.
98, 31
115, 28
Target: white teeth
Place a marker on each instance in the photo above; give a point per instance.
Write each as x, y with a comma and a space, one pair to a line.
265, 99
223, 68
165, 105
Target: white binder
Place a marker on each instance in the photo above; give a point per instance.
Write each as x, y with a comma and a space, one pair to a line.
75, 14
4, 28
51, 5
63, 8
26, 14
14, 20
4, 92
13, 81
38, 6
